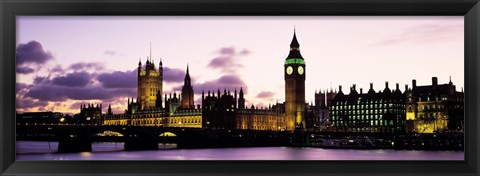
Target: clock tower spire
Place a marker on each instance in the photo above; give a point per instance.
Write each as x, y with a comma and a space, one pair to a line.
294, 75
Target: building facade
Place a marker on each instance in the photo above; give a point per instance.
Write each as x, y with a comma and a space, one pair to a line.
150, 85
187, 93
294, 76
377, 112
434, 108
219, 110
174, 111
321, 117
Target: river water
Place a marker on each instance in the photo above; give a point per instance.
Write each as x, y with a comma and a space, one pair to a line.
34, 150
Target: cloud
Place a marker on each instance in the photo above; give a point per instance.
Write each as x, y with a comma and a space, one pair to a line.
227, 61
421, 34
32, 52
227, 50
265, 95
84, 66
119, 79
25, 70
110, 52
20, 86
173, 75
76, 79
245, 52
29, 103
62, 93
39, 80
82, 86
57, 69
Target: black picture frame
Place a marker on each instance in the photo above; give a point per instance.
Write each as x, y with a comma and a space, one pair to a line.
470, 9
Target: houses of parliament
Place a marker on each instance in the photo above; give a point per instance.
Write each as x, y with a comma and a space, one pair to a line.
422, 109
220, 109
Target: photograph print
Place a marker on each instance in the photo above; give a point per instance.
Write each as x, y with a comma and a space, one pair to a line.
240, 88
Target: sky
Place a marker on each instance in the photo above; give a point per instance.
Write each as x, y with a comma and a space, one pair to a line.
64, 61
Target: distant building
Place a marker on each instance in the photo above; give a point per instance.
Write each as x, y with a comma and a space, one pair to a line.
41, 118
91, 114
321, 118
218, 111
382, 112
434, 108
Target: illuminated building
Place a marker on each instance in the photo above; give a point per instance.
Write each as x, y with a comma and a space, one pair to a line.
150, 84
294, 75
382, 112
271, 118
434, 108
150, 112
187, 93
219, 110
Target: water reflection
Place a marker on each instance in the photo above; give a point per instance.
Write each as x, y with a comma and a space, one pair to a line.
33, 150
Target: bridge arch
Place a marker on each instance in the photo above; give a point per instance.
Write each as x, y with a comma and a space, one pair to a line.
109, 133
167, 134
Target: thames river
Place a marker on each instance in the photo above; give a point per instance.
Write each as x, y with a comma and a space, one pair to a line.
33, 150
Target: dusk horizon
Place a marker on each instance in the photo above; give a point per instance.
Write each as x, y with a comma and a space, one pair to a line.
53, 75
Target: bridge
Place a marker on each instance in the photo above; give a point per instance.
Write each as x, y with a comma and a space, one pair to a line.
79, 138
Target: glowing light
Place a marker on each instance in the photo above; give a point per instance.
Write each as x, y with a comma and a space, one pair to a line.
168, 134
294, 61
62, 119
86, 153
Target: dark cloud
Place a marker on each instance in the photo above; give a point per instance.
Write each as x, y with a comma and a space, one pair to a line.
62, 93
25, 70
119, 79
20, 86
39, 80
110, 52
29, 103
32, 52
265, 95
227, 61
58, 69
173, 75
222, 62
76, 79
84, 66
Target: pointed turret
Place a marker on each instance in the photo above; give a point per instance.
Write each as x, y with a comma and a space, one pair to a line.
187, 80
109, 111
294, 43
294, 48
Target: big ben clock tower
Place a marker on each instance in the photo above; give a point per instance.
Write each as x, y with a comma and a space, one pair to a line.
294, 72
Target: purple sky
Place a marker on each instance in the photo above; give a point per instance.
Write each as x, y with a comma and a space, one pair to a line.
65, 61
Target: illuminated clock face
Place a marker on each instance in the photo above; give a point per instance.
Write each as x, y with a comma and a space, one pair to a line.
289, 70
300, 70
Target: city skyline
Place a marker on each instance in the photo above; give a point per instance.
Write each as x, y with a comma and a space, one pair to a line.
107, 71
